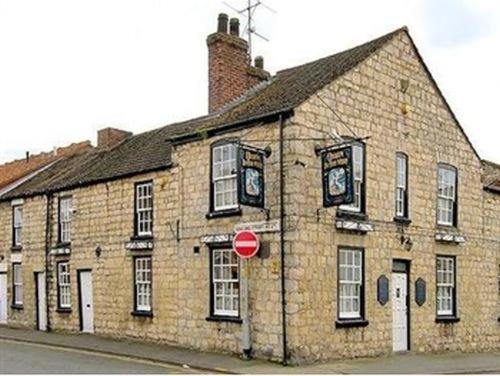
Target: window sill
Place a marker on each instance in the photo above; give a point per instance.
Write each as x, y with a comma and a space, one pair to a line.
447, 319
234, 319
16, 248
142, 313
354, 323
17, 306
142, 237
402, 220
63, 310
224, 213
63, 245
345, 214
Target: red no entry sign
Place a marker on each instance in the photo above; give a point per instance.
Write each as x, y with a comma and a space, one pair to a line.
245, 244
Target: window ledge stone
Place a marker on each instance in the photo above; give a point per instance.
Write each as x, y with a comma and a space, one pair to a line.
63, 310
16, 248
402, 220
447, 319
224, 213
17, 306
351, 323
142, 313
233, 319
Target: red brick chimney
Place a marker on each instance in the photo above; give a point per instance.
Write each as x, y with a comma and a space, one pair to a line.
109, 137
229, 71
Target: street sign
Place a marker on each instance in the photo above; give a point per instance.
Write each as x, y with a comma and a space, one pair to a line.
246, 244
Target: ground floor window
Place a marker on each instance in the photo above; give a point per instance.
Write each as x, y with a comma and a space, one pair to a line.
17, 284
63, 285
142, 283
225, 282
445, 281
350, 283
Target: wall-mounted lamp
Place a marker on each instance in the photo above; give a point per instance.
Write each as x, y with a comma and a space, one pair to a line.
98, 251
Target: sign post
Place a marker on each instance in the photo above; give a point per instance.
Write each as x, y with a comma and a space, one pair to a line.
246, 245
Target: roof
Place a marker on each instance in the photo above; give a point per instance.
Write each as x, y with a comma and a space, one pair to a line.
491, 176
151, 150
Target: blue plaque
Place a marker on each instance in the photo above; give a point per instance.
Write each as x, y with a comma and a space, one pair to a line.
420, 291
382, 289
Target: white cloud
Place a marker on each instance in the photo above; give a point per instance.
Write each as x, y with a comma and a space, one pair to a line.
70, 67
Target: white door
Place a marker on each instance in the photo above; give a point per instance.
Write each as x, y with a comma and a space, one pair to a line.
3, 298
86, 302
399, 312
41, 299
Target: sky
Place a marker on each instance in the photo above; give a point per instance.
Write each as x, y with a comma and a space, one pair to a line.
71, 67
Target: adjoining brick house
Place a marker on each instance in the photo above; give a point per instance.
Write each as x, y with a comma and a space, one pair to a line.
135, 240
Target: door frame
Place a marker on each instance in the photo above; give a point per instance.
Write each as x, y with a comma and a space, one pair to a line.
6, 297
80, 310
37, 302
407, 264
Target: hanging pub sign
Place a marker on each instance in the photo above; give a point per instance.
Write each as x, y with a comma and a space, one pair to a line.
337, 176
251, 176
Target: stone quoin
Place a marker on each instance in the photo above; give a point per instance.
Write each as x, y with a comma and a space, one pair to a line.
133, 239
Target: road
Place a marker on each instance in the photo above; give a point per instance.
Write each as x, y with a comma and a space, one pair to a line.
20, 357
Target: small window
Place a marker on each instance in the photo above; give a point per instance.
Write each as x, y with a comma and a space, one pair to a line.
445, 278
143, 284
17, 284
401, 185
225, 283
63, 284
224, 177
447, 196
65, 216
17, 225
358, 164
350, 269
144, 209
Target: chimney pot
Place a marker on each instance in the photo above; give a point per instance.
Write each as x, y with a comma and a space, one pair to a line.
234, 27
259, 62
222, 23
27, 156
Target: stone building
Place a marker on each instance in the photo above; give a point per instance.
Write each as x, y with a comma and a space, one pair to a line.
133, 239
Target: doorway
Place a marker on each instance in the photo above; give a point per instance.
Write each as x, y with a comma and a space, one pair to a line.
3, 298
41, 301
400, 306
86, 305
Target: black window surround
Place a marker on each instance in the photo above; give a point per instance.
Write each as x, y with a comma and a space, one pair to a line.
213, 213
361, 213
136, 235
136, 311
59, 308
16, 246
15, 305
453, 318
358, 321
60, 243
455, 203
212, 316
405, 218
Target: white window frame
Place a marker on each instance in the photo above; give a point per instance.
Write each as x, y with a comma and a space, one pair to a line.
144, 208
445, 285
447, 194
143, 283
65, 218
401, 185
17, 225
64, 284
17, 283
226, 287
358, 165
350, 269
223, 174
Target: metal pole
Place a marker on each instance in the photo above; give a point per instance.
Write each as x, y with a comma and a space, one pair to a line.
246, 343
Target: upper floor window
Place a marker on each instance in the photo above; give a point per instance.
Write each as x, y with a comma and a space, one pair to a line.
447, 195
144, 209
401, 185
65, 216
358, 163
224, 177
350, 269
445, 281
17, 225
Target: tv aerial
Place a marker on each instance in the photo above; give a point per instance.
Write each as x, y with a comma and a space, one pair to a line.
250, 29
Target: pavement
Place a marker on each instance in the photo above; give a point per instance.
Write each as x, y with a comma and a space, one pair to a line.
168, 359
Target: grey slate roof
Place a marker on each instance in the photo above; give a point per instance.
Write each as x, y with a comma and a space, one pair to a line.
152, 151
491, 176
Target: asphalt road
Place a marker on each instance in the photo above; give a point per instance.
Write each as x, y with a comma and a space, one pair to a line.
18, 357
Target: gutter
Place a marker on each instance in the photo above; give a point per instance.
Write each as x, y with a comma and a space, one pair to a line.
47, 250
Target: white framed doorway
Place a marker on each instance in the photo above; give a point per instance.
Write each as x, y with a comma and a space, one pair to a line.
86, 301
400, 306
41, 301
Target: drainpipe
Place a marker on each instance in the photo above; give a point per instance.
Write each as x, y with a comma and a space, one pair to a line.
47, 250
282, 242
